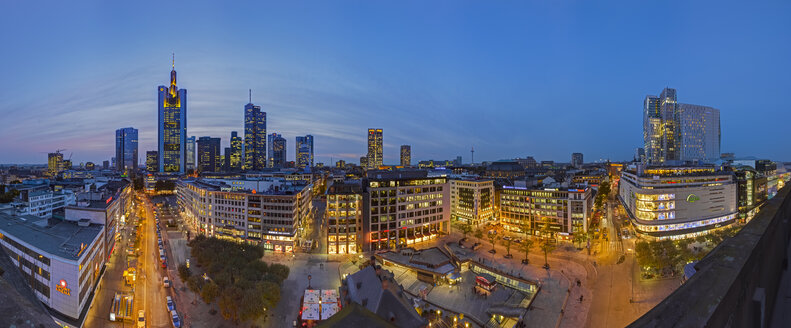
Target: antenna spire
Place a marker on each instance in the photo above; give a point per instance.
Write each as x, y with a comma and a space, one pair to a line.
251, 95
174, 60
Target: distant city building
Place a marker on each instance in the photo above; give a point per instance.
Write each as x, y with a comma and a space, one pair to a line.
105, 165
152, 158
266, 212
374, 148
276, 151
340, 164
700, 133
172, 129
505, 169
576, 160
255, 150
126, 150
191, 154
674, 132
344, 218
364, 161
403, 208
304, 152
639, 155
226, 160
236, 152
406, 155
208, 154
54, 164
472, 200
90, 166
527, 163
678, 202
727, 156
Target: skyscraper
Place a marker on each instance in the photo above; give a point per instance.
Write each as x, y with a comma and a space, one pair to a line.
276, 153
208, 154
126, 150
172, 126
254, 137
374, 148
190, 166
674, 132
236, 152
700, 132
304, 151
226, 160
406, 155
54, 163
151, 161
576, 160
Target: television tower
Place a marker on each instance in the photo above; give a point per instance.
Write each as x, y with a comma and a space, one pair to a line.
472, 154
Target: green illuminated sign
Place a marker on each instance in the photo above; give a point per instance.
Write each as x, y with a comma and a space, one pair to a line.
692, 198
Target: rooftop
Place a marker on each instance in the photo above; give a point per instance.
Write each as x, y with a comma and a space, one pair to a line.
57, 237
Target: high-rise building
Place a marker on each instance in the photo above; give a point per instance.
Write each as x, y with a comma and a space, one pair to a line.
576, 160
105, 165
700, 133
90, 166
254, 138
208, 154
190, 166
226, 160
151, 161
54, 163
172, 127
374, 148
126, 150
674, 132
406, 155
276, 151
236, 152
639, 155
364, 161
304, 152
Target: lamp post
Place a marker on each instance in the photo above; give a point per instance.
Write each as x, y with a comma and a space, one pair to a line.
309, 277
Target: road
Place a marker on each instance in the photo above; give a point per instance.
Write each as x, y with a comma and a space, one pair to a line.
152, 292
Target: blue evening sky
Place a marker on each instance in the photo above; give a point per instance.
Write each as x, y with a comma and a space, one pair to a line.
512, 79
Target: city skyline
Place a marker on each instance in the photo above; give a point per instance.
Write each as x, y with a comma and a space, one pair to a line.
427, 85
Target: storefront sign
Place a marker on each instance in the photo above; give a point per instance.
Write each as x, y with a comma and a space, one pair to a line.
63, 287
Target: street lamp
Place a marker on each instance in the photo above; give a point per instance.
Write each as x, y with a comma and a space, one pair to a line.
309, 277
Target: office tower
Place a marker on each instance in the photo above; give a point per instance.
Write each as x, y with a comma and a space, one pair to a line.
340, 164
190, 166
364, 161
576, 160
639, 155
236, 152
226, 160
105, 165
126, 150
374, 148
67, 164
90, 166
254, 137
54, 163
276, 152
304, 152
406, 155
172, 127
700, 133
208, 154
152, 158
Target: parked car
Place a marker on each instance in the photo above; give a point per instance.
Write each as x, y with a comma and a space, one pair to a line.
141, 319
166, 282
170, 304
175, 319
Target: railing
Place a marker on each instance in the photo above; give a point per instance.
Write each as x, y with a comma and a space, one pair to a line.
737, 283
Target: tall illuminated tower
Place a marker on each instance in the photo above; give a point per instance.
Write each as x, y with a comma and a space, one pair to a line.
406, 155
254, 137
235, 161
304, 152
374, 148
126, 150
172, 126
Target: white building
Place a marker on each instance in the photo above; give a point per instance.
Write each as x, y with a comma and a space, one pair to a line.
61, 260
678, 202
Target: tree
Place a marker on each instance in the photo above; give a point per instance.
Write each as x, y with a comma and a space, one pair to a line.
229, 302
580, 237
184, 272
478, 234
278, 271
210, 292
525, 246
645, 255
492, 236
507, 244
547, 246
195, 283
465, 229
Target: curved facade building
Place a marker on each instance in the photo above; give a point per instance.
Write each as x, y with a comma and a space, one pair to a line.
678, 202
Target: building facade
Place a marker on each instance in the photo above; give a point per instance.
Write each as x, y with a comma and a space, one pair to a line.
152, 164
472, 201
254, 138
54, 163
304, 151
406, 155
678, 202
191, 154
700, 133
126, 150
404, 207
375, 150
576, 160
235, 161
344, 218
266, 211
660, 127
276, 151
563, 211
172, 128
209, 154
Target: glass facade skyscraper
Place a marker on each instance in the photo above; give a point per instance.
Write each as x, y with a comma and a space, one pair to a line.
304, 151
406, 155
700, 133
254, 137
374, 159
190, 154
126, 150
276, 152
172, 127
209, 154
235, 161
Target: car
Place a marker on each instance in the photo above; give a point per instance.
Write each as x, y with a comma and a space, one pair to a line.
506, 238
162, 258
175, 319
166, 282
164, 264
141, 319
170, 304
